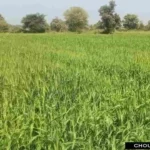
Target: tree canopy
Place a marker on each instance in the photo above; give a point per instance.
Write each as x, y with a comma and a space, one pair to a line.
131, 21
34, 23
76, 18
109, 18
58, 25
99, 25
148, 25
3, 24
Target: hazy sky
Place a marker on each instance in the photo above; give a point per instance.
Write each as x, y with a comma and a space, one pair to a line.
14, 10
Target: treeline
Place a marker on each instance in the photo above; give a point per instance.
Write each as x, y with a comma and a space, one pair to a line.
76, 20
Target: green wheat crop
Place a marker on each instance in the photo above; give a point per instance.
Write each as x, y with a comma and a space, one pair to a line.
74, 92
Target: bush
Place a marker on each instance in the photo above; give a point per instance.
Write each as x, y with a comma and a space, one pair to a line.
15, 29
3, 24
58, 25
34, 23
76, 18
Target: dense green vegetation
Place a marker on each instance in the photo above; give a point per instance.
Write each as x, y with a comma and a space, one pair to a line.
73, 92
110, 19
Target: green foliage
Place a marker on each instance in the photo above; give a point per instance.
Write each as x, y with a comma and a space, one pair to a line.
58, 25
141, 26
76, 18
110, 19
148, 26
108, 9
99, 25
71, 92
34, 23
15, 28
47, 28
117, 21
131, 21
3, 24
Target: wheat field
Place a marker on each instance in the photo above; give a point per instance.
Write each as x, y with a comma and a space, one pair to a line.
74, 91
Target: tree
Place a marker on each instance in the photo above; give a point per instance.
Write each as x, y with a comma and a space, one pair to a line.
3, 24
76, 18
117, 21
58, 25
47, 27
141, 26
15, 28
109, 18
34, 23
148, 25
99, 25
130, 21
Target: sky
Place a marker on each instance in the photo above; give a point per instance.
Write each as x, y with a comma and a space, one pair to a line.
14, 10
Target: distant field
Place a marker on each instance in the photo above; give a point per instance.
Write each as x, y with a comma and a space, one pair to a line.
74, 91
